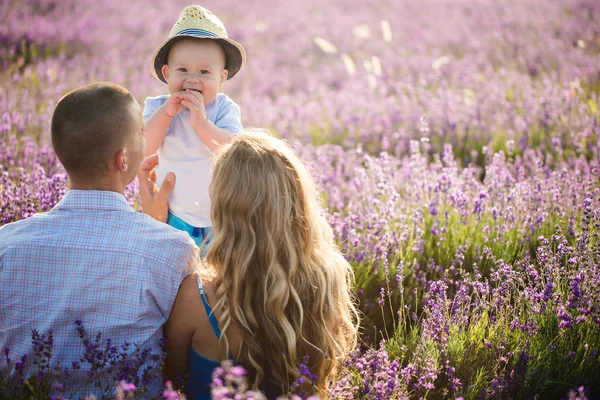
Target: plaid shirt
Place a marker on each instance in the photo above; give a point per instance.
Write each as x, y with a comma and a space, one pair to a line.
91, 258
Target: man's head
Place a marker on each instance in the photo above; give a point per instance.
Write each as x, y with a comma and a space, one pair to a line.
98, 136
196, 64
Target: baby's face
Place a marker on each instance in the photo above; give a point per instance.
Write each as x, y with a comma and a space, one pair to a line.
196, 64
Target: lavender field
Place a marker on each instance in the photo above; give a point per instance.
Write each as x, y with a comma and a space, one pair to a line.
456, 144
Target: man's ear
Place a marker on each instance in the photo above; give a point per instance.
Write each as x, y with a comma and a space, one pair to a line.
121, 160
165, 71
224, 76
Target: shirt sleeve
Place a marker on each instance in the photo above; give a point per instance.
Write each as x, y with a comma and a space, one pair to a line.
230, 117
181, 260
151, 104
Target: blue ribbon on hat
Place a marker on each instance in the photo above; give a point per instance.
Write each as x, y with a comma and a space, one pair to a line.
197, 32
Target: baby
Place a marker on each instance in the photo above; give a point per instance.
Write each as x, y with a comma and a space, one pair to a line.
195, 119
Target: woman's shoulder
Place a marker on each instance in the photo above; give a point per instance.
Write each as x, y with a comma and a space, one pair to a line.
190, 294
205, 279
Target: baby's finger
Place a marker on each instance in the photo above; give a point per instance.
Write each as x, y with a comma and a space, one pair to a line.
191, 99
195, 95
175, 98
189, 105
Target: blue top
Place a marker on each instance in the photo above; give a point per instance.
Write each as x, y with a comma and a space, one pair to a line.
197, 386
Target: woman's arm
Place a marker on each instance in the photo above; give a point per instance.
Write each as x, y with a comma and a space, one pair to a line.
179, 330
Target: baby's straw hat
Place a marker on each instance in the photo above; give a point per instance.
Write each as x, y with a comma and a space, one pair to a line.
197, 22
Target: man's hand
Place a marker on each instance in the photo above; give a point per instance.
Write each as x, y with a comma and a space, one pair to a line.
154, 201
194, 101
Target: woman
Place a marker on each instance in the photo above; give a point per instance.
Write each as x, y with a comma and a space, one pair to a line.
273, 288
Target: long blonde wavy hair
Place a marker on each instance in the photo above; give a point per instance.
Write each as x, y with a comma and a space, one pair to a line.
278, 272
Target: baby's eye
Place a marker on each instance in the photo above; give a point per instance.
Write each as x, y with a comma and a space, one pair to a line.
204, 72
182, 70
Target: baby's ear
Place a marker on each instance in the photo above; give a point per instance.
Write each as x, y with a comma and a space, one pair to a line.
224, 76
165, 71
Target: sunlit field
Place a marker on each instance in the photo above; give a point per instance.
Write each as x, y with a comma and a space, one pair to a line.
455, 143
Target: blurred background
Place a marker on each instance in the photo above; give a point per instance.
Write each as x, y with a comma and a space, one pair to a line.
455, 143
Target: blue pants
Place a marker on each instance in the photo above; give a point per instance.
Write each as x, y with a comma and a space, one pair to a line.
197, 234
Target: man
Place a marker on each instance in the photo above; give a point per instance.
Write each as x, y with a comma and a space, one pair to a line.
92, 258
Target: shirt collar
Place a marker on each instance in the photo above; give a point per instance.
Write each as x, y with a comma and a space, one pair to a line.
93, 200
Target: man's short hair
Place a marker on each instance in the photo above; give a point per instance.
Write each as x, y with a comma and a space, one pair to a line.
88, 125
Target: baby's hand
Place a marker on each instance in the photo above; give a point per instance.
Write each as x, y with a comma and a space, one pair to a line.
194, 101
173, 104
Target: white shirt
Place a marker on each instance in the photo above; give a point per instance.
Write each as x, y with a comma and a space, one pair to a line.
183, 153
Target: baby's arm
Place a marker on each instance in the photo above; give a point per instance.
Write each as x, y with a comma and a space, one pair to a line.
213, 136
158, 123
156, 130
210, 134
